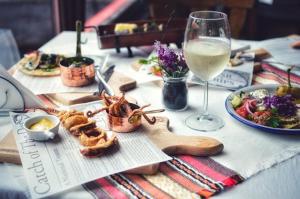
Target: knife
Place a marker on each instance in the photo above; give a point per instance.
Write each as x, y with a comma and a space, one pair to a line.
241, 49
103, 78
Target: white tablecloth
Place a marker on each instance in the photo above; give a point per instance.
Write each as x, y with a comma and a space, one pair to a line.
247, 151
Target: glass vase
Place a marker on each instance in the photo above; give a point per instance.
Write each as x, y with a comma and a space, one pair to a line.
175, 93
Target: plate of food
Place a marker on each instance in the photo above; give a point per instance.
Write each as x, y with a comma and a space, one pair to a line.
40, 64
271, 108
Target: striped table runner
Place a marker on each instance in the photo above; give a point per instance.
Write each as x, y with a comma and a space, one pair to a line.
182, 177
272, 74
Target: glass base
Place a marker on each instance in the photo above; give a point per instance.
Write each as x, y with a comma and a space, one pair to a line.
176, 110
204, 122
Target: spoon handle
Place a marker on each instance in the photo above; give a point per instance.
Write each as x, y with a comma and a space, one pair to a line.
78, 43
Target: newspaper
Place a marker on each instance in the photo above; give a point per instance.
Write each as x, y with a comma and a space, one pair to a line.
17, 95
281, 50
52, 167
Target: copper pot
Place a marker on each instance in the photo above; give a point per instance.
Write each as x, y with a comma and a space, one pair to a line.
123, 124
79, 75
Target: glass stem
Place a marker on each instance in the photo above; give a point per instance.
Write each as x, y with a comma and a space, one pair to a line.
205, 99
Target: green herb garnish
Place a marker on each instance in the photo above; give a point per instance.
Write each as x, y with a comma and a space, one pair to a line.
241, 94
273, 122
47, 69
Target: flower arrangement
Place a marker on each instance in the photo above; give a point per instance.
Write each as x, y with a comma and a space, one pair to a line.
170, 62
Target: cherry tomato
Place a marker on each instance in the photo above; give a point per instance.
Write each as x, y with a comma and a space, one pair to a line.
241, 111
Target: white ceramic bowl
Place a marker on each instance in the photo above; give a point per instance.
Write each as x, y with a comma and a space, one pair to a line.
42, 135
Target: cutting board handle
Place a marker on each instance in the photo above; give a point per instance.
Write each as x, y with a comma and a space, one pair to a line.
193, 145
174, 144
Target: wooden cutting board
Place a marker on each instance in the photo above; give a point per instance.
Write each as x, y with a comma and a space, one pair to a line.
159, 134
118, 82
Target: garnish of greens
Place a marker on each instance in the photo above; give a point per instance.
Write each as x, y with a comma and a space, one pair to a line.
171, 62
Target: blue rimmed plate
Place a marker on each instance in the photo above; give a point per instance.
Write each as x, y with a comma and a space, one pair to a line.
271, 88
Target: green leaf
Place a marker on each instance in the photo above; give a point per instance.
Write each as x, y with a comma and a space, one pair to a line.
150, 60
241, 94
274, 111
47, 69
143, 61
273, 122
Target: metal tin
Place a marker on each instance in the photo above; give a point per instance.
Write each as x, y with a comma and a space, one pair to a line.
77, 76
123, 124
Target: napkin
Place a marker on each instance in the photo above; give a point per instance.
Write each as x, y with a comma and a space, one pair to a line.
17, 95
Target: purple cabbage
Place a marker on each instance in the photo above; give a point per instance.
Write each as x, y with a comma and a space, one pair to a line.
284, 105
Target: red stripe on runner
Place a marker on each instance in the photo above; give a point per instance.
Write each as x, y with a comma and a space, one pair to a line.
281, 73
216, 176
187, 169
254, 82
183, 181
47, 102
147, 186
272, 76
110, 189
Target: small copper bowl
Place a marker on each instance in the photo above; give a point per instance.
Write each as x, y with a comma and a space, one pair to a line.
77, 76
124, 124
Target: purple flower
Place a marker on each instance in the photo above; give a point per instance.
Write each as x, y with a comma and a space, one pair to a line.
171, 62
181, 60
284, 105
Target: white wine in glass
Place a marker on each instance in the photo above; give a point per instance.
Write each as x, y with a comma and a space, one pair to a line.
206, 51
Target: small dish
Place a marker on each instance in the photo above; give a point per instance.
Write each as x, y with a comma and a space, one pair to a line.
42, 135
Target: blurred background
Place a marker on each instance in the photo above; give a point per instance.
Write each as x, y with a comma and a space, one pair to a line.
34, 22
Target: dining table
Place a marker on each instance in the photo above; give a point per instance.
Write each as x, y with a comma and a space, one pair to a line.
268, 163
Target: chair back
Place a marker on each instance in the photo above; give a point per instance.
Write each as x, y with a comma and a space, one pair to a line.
9, 55
236, 9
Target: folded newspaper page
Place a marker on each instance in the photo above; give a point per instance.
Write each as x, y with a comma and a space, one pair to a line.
55, 166
14, 96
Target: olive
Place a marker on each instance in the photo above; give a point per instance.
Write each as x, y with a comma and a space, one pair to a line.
288, 89
282, 90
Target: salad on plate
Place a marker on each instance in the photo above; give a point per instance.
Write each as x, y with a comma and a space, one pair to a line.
277, 109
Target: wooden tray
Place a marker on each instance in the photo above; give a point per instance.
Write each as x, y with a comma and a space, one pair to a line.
159, 134
172, 32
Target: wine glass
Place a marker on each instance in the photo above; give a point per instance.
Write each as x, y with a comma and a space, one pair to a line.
206, 51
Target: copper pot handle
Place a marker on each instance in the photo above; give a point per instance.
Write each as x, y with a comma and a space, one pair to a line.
140, 112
